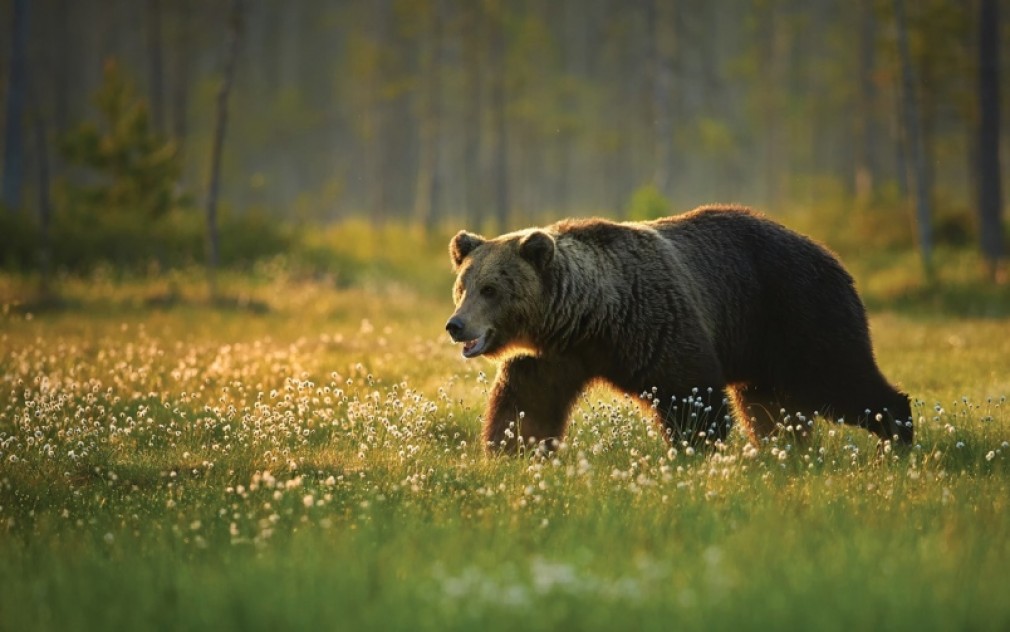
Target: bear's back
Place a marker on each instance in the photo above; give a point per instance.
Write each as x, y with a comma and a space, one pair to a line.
768, 288
731, 242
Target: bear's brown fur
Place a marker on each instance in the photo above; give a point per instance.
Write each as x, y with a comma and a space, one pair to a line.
680, 309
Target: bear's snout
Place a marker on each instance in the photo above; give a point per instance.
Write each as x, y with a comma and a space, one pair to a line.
455, 327
474, 344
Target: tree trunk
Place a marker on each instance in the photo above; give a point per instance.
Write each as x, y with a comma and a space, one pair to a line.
220, 125
157, 66
62, 66
916, 152
427, 192
868, 127
659, 14
499, 169
180, 83
775, 52
13, 165
472, 120
990, 202
376, 117
45, 203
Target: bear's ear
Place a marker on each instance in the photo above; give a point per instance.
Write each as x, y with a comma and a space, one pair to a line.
537, 248
462, 245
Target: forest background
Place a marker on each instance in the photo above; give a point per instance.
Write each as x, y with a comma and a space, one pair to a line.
441, 114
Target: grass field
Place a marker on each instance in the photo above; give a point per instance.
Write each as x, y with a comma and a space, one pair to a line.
307, 458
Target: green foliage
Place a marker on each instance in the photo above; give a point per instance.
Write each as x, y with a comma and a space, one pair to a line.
252, 236
128, 168
855, 230
646, 203
82, 241
883, 228
122, 204
19, 241
955, 226
355, 253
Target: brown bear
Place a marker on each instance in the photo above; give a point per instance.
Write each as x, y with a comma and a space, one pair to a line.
679, 310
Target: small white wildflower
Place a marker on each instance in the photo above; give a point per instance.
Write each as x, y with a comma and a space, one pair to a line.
990, 455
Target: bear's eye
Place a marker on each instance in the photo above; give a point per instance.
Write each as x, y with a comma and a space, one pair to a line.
488, 291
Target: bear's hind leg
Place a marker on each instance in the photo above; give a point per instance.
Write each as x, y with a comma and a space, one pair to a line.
758, 408
530, 402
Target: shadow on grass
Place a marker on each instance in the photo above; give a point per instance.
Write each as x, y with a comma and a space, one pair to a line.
240, 303
53, 303
47, 303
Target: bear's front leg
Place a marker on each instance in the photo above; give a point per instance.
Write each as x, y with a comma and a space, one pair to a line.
530, 402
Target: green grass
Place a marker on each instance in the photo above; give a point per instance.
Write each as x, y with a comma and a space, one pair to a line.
313, 463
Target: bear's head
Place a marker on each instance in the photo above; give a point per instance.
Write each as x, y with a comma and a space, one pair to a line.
499, 291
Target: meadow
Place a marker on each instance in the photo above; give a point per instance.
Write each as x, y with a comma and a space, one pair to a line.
306, 456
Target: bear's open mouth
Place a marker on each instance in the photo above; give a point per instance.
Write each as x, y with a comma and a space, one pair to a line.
477, 346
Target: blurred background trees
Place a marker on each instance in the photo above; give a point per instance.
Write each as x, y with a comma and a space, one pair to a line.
498, 113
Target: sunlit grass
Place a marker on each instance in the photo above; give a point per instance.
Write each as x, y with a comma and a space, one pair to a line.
316, 464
